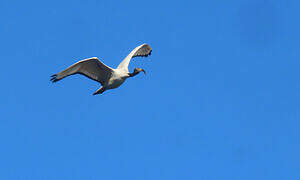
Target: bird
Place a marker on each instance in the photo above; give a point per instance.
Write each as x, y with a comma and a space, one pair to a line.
108, 77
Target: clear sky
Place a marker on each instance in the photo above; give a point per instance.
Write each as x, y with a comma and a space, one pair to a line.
220, 100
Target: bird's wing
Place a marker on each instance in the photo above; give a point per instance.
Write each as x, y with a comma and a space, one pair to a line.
92, 68
143, 50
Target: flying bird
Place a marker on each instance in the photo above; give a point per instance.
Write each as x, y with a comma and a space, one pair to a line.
108, 77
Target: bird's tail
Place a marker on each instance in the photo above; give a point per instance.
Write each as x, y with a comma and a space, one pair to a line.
99, 91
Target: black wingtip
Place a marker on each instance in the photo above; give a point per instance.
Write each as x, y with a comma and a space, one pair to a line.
54, 78
149, 53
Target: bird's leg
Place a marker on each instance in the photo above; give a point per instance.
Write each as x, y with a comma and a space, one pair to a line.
99, 91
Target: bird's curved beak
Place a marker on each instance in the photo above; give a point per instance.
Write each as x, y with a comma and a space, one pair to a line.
143, 71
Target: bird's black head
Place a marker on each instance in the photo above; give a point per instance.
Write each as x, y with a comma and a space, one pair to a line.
136, 71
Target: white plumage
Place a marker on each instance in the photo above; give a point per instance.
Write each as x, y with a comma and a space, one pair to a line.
108, 77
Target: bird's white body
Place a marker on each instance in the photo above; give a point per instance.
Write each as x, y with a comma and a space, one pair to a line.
109, 78
118, 77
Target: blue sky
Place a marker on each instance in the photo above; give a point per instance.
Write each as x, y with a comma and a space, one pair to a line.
220, 99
